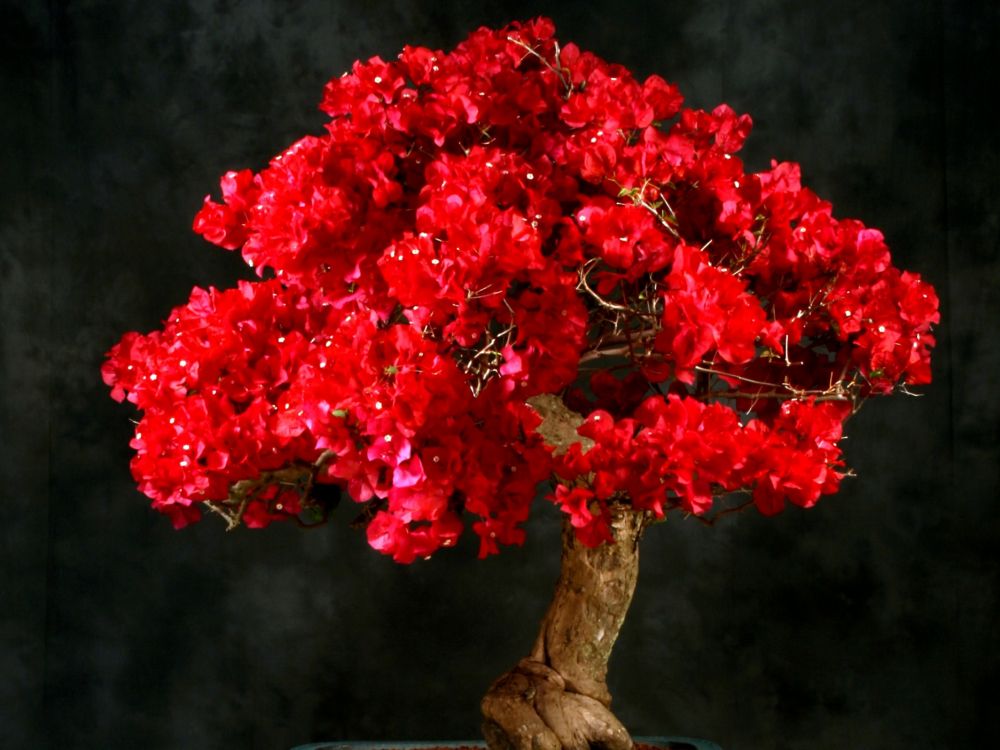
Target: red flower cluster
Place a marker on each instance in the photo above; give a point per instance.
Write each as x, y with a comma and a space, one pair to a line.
680, 452
478, 227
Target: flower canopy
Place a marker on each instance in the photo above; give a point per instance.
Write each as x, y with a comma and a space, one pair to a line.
476, 229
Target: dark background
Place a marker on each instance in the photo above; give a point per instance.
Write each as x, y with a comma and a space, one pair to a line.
868, 622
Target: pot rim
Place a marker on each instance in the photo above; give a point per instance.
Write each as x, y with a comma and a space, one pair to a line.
662, 741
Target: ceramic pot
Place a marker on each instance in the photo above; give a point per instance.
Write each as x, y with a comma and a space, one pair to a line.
664, 743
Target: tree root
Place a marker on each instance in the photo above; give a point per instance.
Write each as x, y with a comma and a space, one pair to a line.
531, 708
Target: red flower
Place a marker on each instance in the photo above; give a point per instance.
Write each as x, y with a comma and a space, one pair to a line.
588, 515
477, 227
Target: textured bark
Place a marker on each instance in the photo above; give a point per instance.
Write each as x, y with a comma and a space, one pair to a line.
557, 698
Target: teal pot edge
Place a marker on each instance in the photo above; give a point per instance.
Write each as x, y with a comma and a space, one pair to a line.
663, 742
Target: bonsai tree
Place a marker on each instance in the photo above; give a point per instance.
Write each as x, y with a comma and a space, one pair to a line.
514, 274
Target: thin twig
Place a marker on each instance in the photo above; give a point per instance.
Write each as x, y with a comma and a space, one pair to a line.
546, 63
584, 272
816, 395
700, 368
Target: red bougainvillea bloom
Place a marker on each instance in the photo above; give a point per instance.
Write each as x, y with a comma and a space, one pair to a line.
478, 228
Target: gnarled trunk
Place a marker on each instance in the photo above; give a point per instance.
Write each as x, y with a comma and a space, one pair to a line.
557, 698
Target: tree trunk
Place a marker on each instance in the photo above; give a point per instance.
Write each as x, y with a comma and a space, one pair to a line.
557, 698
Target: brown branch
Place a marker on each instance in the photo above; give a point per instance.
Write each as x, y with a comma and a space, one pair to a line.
816, 395
711, 520
532, 51
584, 272
241, 493
711, 371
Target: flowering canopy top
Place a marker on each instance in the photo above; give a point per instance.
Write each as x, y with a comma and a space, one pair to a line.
475, 229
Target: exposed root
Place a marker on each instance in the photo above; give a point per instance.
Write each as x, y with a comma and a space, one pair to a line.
530, 708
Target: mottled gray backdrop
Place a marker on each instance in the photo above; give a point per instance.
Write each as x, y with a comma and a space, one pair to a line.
869, 622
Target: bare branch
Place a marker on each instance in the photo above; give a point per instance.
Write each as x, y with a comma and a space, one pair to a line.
532, 51
584, 272
300, 476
